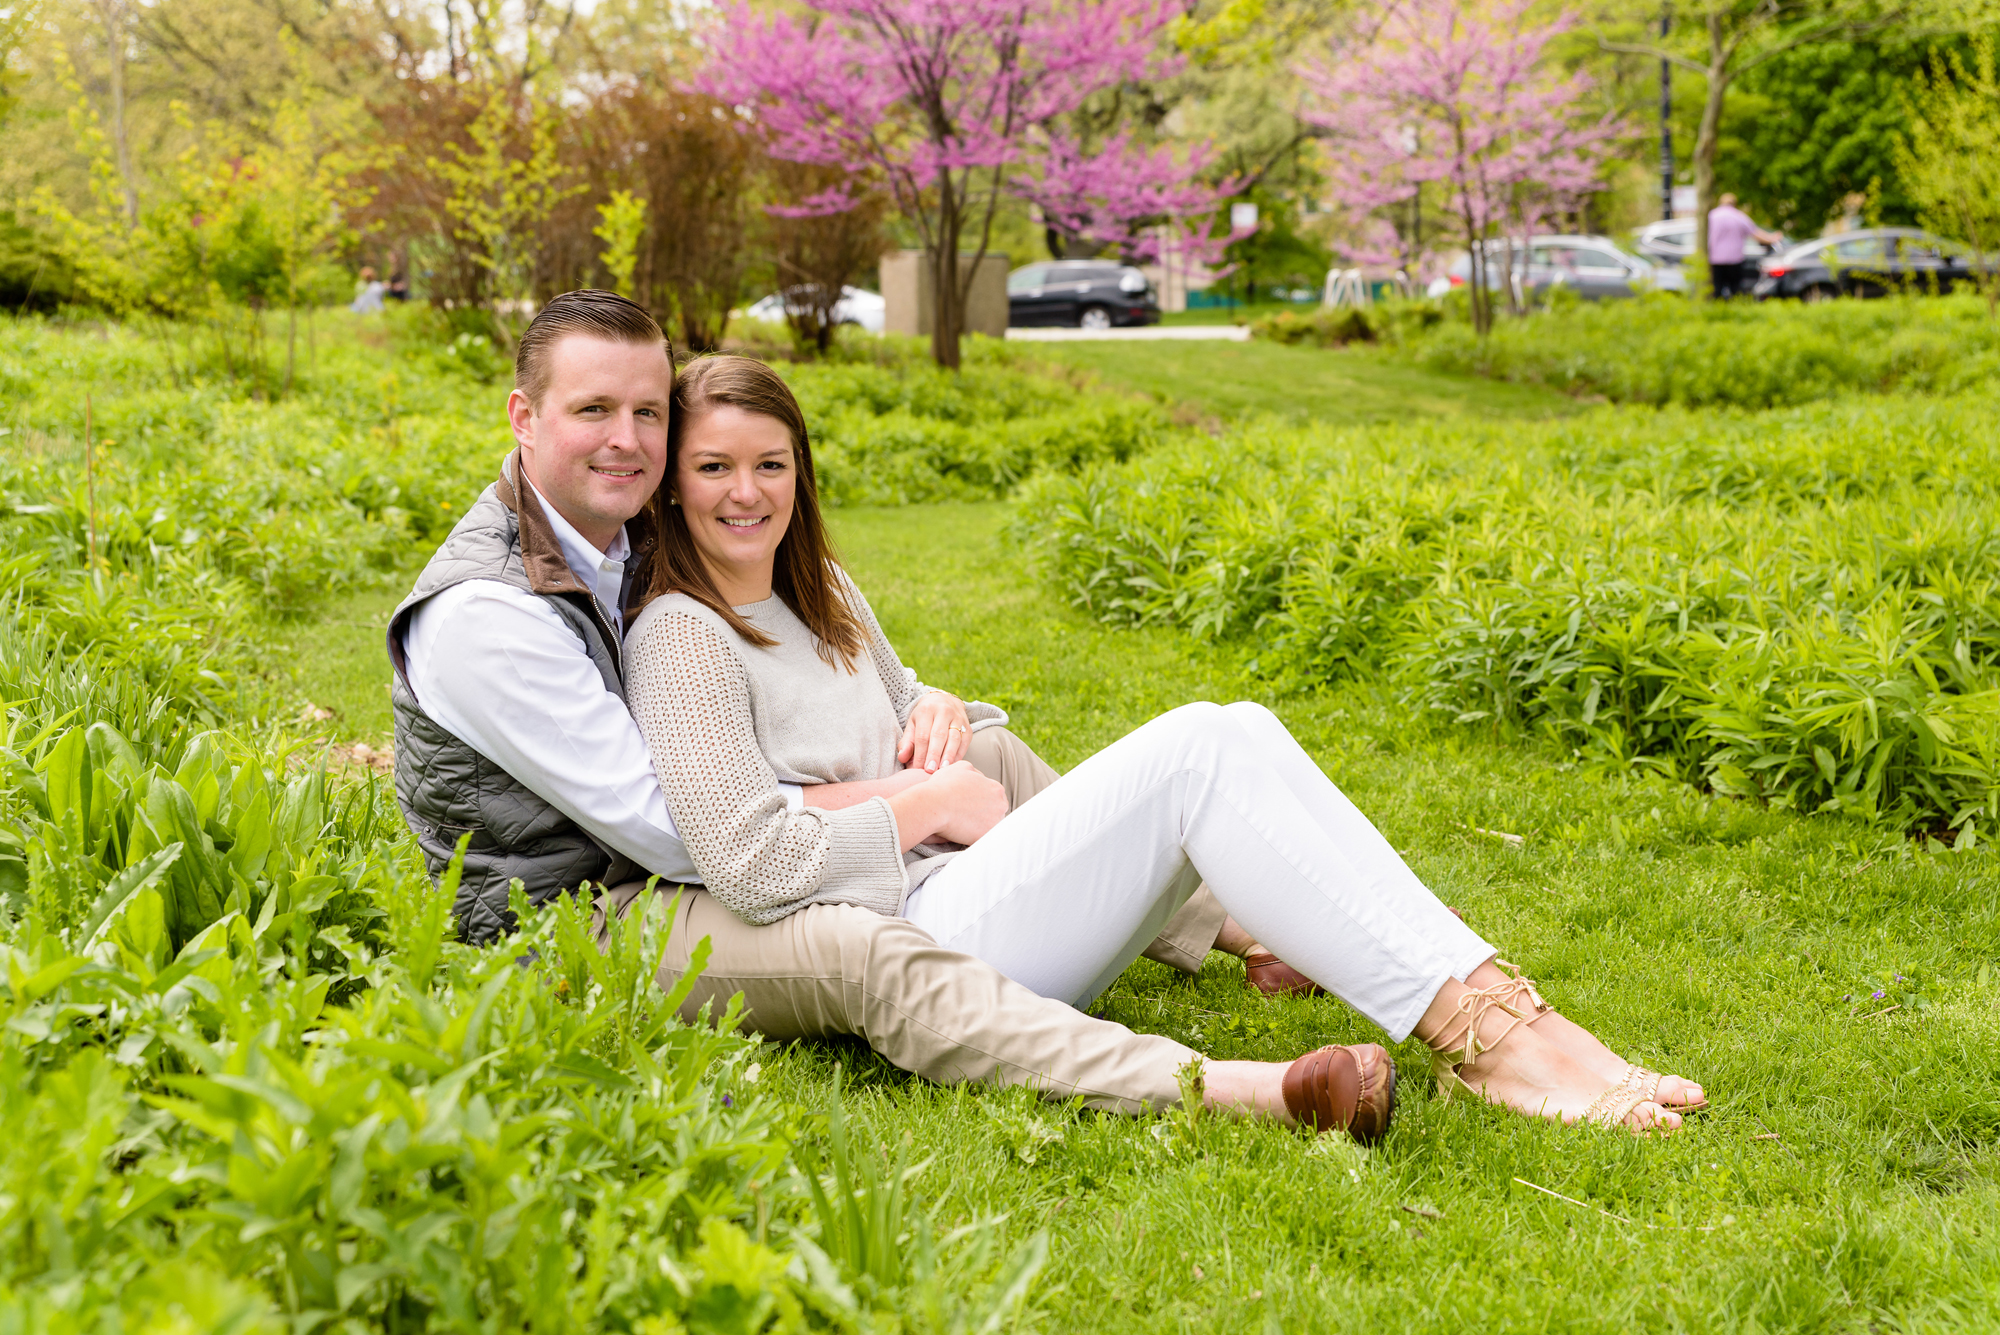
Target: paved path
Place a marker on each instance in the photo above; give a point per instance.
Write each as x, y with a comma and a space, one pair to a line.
1234, 333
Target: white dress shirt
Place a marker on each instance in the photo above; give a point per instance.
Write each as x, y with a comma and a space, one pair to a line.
497, 668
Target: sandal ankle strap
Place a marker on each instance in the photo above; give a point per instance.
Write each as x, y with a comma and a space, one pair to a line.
1506, 997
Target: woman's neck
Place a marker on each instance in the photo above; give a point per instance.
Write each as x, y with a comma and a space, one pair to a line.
741, 587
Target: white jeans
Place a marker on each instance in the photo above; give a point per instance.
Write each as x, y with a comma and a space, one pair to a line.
1066, 891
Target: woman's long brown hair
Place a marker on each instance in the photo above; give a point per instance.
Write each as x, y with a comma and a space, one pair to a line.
806, 574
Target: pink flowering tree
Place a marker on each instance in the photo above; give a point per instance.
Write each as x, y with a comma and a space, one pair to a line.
1454, 92
950, 104
1136, 199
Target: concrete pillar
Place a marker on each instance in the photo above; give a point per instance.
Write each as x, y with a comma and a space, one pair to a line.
906, 292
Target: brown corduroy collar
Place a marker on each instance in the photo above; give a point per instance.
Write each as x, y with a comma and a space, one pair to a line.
541, 551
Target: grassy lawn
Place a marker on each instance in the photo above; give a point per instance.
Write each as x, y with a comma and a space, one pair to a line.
1845, 1181
1845, 1176
1232, 381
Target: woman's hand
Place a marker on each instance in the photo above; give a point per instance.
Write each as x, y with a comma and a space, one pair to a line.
937, 734
957, 803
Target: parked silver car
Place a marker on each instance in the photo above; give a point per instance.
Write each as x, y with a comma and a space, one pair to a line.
1670, 242
1593, 267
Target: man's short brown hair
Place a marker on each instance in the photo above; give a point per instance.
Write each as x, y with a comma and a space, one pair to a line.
589, 311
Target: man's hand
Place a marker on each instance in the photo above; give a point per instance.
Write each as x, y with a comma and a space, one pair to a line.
937, 734
973, 803
957, 803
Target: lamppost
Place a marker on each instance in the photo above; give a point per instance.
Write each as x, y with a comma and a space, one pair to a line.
1666, 125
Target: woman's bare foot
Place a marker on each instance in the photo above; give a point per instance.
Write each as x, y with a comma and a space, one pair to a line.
1534, 1075
1515, 1063
1587, 1049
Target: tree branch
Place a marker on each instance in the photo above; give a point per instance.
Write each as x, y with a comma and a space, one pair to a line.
1657, 53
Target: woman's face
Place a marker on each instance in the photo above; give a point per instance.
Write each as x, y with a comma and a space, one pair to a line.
735, 480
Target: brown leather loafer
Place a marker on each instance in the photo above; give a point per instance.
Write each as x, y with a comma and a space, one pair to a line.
1275, 978
1351, 1089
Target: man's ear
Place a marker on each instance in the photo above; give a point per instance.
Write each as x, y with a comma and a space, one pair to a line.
521, 416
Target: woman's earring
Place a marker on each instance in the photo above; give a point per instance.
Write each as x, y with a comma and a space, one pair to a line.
673, 500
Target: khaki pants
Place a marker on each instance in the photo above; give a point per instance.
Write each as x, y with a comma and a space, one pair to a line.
838, 969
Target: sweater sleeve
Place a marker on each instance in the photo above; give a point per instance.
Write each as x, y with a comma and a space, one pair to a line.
761, 859
901, 682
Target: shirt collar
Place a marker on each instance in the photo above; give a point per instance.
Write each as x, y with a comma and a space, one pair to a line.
585, 561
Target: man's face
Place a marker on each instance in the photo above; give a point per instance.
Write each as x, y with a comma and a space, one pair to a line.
596, 445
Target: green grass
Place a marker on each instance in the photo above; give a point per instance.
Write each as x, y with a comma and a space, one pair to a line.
1845, 1179
1704, 935
339, 661
1228, 382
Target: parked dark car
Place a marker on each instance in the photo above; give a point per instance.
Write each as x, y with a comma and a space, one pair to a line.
1871, 263
1085, 294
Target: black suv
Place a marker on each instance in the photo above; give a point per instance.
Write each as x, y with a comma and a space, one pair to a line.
1085, 294
1868, 264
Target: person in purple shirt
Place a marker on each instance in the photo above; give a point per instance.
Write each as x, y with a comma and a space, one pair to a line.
1728, 229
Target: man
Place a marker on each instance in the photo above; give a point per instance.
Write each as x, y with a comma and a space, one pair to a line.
511, 728
1728, 229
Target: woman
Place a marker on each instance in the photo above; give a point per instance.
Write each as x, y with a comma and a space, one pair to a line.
758, 662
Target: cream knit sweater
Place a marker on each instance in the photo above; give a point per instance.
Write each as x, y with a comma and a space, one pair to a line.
728, 721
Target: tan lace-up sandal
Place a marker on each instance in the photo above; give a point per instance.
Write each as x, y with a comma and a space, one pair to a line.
1519, 1000
1647, 1083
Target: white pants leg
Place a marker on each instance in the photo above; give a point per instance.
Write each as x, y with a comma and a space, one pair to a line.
1064, 893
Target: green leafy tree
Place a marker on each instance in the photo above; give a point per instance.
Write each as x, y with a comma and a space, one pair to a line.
17, 21
500, 189
1276, 255
101, 242
1723, 41
1951, 162
621, 227
307, 180
1818, 125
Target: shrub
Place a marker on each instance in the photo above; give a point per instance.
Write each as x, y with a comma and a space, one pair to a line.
1321, 328
1660, 349
904, 431
1392, 321
1753, 603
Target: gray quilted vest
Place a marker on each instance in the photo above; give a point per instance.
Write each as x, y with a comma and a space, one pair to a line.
448, 790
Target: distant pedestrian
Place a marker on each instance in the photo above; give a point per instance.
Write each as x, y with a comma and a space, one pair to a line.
369, 301
1728, 229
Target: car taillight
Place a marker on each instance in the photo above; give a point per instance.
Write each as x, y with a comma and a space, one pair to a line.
1456, 281
1775, 271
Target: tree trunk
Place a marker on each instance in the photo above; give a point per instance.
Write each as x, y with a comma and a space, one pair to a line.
1706, 141
947, 312
1482, 309
113, 14
1482, 319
